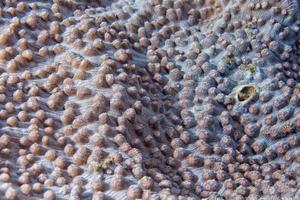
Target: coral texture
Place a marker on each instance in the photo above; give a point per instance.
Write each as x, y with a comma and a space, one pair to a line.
149, 99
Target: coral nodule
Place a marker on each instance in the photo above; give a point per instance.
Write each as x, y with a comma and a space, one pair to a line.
149, 99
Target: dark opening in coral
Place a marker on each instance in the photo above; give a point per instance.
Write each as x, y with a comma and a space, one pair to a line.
246, 92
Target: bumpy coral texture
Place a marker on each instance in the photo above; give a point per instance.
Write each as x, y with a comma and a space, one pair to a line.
149, 99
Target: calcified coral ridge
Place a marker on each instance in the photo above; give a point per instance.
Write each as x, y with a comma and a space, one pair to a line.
151, 100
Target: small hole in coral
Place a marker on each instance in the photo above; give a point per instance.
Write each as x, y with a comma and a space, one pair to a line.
246, 92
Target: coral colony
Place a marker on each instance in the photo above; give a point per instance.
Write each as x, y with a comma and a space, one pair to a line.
149, 99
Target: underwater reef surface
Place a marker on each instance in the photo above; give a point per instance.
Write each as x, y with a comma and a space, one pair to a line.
149, 99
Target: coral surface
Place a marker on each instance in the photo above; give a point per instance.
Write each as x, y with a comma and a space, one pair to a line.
149, 99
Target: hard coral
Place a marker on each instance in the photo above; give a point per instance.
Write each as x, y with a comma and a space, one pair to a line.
149, 99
